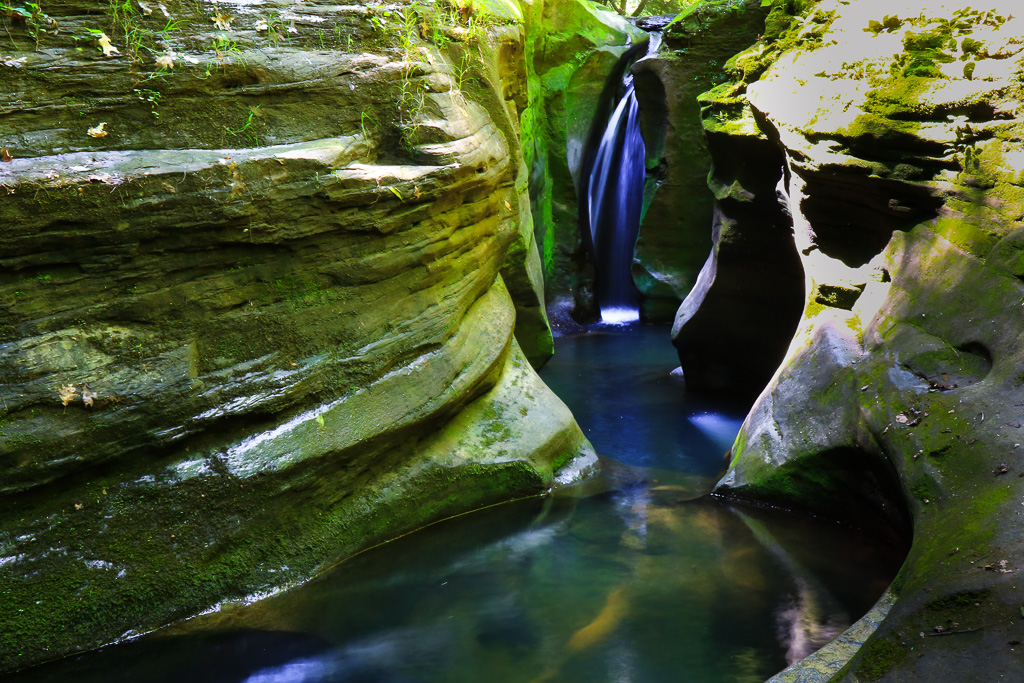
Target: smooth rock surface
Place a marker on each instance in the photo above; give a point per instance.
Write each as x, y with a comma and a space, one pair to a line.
258, 319
900, 131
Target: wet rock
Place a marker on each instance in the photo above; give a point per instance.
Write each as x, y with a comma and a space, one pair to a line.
901, 175
673, 243
262, 322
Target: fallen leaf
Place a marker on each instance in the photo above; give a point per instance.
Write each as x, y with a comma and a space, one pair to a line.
416, 192
165, 61
88, 395
67, 393
97, 131
507, 205
222, 21
397, 193
5, 155
901, 418
79, 506
170, 188
108, 49
320, 421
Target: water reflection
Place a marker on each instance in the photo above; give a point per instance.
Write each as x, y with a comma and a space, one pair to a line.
630, 585
620, 386
630, 578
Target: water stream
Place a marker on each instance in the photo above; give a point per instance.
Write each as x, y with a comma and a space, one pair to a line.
614, 195
626, 578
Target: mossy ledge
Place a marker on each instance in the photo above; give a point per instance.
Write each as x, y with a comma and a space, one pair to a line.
276, 309
896, 130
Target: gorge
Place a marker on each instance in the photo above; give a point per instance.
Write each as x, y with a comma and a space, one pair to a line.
275, 279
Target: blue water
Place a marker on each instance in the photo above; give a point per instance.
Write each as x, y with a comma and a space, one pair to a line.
614, 198
626, 578
618, 382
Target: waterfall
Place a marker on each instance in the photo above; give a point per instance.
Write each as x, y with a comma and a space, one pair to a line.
614, 196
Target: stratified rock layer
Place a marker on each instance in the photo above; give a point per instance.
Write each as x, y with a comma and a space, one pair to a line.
674, 239
257, 319
899, 128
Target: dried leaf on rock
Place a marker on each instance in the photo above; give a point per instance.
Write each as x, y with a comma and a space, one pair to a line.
165, 61
105, 45
222, 21
5, 155
67, 393
88, 395
97, 131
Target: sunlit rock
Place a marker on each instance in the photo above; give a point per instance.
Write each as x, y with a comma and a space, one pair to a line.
898, 129
269, 317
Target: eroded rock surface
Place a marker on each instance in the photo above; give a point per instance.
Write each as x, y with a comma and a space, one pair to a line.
673, 242
255, 302
899, 130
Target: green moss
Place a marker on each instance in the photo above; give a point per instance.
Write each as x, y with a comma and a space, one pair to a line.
924, 488
878, 657
957, 601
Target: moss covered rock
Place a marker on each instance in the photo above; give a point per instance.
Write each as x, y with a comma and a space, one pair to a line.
899, 394
253, 302
673, 243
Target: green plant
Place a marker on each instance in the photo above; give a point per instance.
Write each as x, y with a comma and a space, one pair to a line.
378, 16
36, 21
410, 105
275, 27
461, 70
150, 96
363, 118
410, 20
129, 24
224, 46
248, 128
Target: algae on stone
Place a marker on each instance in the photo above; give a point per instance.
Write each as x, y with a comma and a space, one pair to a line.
282, 276
902, 178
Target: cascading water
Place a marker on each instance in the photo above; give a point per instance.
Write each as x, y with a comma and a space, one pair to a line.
614, 198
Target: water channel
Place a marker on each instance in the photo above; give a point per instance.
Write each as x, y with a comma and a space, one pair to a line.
629, 577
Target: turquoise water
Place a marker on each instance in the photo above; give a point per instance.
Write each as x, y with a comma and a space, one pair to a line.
628, 578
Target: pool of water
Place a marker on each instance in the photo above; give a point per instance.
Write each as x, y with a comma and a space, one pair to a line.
629, 578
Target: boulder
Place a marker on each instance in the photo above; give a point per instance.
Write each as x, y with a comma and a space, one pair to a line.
673, 243
254, 304
897, 405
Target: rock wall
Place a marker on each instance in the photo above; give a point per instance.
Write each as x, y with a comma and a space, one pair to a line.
897, 404
674, 236
572, 48
255, 308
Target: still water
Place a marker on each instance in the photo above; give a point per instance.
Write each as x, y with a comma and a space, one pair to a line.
628, 578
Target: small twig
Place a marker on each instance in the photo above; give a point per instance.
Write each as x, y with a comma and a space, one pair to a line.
979, 559
969, 630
